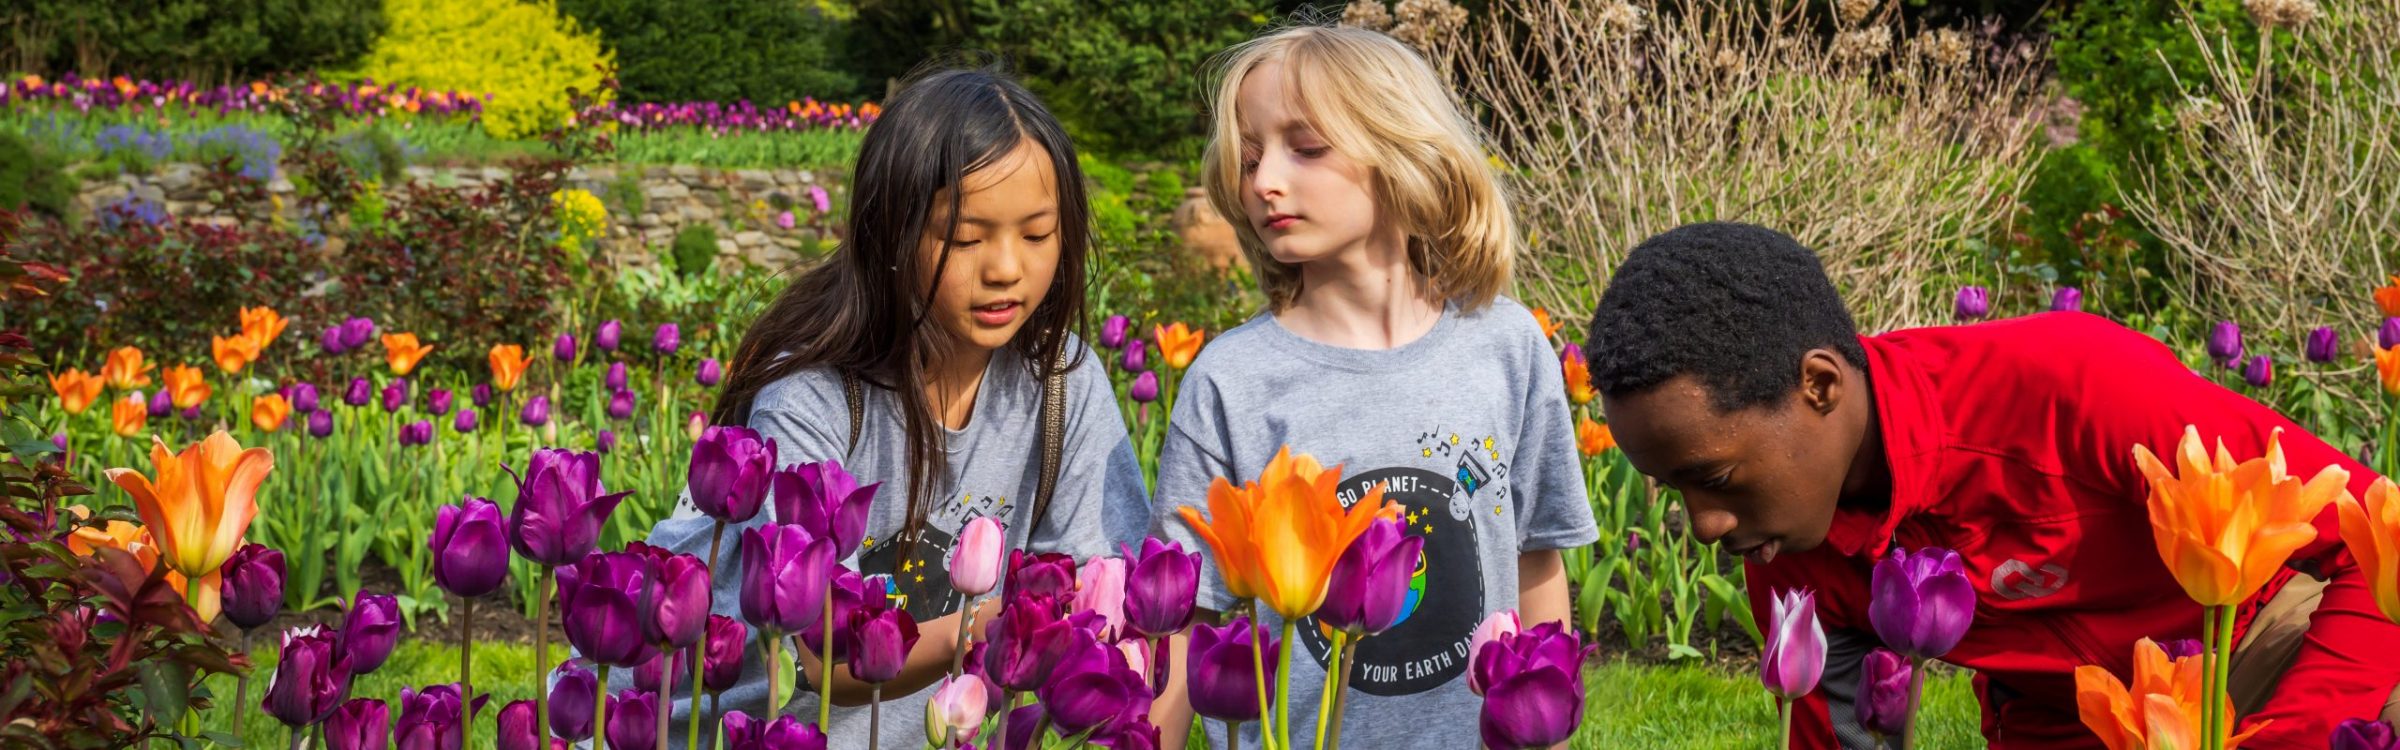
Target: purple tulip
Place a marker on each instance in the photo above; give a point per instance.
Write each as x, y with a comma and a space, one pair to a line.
369, 631
851, 593
2324, 345
2066, 299
571, 701
1508, 654
432, 719
2225, 342
161, 404
610, 333
1922, 603
620, 404
2260, 372
438, 401
729, 473
2389, 335
1112, 333
606, 441
1093, 689
419, 432
1223, 683
648, 676
709, 373
825, 499
633, 719
674, 610
192, 414
1370, 580
721, 668
536, 412
1161, 585
784, 574
564, 348
253, 585
395, 395
560, 507
1145, 387
360, 724
878, 642
470, 547
1973, 303
1795, 653
356, 332
320, 423
481, 395
1531, 709
516, 727
1027, 641
2364, 734
360, 392
2180, 648
464, 423
600, 603
1137, 356
304, 398
667, 339
1045, 574
331, 341
616, 376
311, 678
1883, 706
784, 733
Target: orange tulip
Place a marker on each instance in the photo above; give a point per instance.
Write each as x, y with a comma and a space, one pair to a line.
1542, 317
123, 535
2372, 532
1178, 343
199, 505
76, 390
125, 370
508, 364
233, 353
1593, 438
1579, 380
2161, 710
127, 416
2388, 298
269, 411
1280, 536
186, 386
2387, 369
261, 325
401, 351
2223, 527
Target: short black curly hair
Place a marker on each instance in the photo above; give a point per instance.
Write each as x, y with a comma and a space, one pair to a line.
1734, 305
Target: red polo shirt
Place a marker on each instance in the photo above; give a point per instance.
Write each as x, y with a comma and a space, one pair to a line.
2012, 442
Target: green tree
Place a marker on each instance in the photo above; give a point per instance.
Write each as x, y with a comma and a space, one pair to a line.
206, 41
523, 55
1126, 77
765, 51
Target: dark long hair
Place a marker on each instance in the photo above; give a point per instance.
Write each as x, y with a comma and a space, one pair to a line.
860, 312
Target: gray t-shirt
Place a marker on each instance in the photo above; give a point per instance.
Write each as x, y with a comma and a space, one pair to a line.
1468, 430
994, 470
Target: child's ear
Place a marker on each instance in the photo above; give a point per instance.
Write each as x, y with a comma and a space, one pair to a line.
1821, 380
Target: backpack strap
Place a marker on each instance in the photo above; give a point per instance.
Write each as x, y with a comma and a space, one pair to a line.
1054, 435
857, 397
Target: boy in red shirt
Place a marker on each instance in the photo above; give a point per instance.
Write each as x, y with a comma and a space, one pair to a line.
1730, 370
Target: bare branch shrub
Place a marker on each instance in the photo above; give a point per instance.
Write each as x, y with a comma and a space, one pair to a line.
1882, 148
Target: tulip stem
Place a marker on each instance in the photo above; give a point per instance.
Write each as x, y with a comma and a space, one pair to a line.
2221, 700
298, 733
874, 715
1341, 690
774, 673
1283, 688
1258, 674
825, 669
1333, 672
600, 712
1233, 734
241, 685
1784, 706
541, 654
2208, 678
1008, 705
666, 696
1916, 697
691, 735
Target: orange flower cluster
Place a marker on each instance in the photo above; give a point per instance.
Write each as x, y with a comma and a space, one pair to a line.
1277, 539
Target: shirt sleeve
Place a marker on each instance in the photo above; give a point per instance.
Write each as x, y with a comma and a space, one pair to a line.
1553, 511
1100, 500
1194, 456
2147, 398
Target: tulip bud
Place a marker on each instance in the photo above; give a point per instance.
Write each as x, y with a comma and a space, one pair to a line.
729, 473
311, 678
825, 499
608, 336
2066, 299
252, 585
369, 631
709, 373
1137, 356
605, 442
615, 379
360, 724
360, 392
536, 412
784, 573
516, 727
783, 733
470, 547
438, 401
1100, 589
2324, 345
2225, 342
1161, 584
600, 604
320, 423
160, 405
1973, 303
481, 395
356, 332
2388, 336
564, 348
1370, 581
879, 642
304, 398
1145, 388
1043, 574
395, 395
1501, 624
571, 702
1533, 689
975, 562
667, 339
560, 507
1883, 707
957, 707
1922, 603
674, 609
419, 432
1112, 333
648, 676
1093, 688
722, 667
632, 719
432, 719
620, 404
331, 340
2260, 372
191, 414
696, 426
1222, 674
2364, 734
1795, 651
465, 422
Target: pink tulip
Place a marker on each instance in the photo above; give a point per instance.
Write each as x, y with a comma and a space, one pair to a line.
1795, 653
975, 563
1501, 623
1100, 589
957, 705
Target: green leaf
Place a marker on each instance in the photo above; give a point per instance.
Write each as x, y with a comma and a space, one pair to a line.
1680, 651
165, 689
222, 739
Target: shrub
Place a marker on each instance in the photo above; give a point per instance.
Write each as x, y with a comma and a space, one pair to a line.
30, 177
524, 55
208, 41
695, 249
764, 51
1124, 76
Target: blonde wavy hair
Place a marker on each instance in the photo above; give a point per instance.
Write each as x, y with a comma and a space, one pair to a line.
1381, 105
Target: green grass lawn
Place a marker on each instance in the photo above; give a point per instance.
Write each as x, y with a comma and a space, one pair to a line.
1629, 706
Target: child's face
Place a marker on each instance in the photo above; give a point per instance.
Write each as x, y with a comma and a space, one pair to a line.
1306, 200
1003, 254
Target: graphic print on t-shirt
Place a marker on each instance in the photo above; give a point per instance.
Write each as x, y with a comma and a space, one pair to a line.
921, 584
1427, 647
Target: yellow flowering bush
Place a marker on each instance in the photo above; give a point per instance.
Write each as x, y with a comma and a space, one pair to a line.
524, 55
581, 219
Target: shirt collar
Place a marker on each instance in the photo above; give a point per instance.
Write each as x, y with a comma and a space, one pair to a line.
1909, 418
